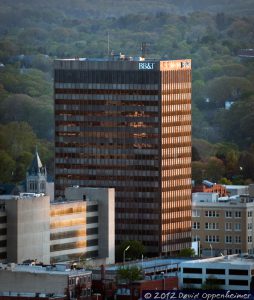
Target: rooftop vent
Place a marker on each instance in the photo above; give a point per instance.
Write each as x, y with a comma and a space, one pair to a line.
207, 183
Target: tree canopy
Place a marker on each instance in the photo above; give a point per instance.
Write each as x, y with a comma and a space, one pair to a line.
128, 274
34, 33
135, 250
188, 252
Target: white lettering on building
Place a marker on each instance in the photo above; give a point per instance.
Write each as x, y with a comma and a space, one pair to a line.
145, 66
185, 64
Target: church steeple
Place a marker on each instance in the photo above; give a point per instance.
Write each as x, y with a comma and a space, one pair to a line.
36, 167
36, 177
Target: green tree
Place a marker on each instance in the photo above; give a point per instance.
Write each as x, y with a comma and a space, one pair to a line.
22, 162
225, 181
42, 62
188, 252
235, 69
246, 165
17, 137
195, 154
205, 149
17, 146
222, 88
215, 169
198, 171
229, 154
198, 90
211, 283
20, 107
3, 92
199, 124
240, 29
129, 274
238, 123
7, 167
135, 251
32, 82
8, 47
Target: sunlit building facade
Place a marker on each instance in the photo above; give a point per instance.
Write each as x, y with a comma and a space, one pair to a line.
83, 228
223, 225
126, 123
80, 228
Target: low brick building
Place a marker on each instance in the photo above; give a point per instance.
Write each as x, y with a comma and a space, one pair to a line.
44, 281
210, 187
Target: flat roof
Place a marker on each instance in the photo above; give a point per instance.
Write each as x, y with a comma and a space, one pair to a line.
234, 259
121, 64
236, 186
44, 269
151, 263
116, 57
67, 201
26, 196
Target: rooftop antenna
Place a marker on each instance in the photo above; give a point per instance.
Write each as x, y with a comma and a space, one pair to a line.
144, 47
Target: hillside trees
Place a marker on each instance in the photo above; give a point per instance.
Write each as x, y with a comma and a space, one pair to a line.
33, 33
17, 145
37, 113
237, 123
223, 88
26, 116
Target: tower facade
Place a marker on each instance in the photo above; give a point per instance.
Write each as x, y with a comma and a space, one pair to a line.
36, 177
126, 124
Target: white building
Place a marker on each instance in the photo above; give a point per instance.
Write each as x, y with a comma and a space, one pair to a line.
81, 227
24, 225
233, 272
238, 189
46, 282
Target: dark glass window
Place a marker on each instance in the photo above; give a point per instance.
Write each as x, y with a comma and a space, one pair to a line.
215, 281
3, 243
3, 220
192, 280
101, 76
238, 272
91, 231
215, 271
90, 220
91, 254
92, 243
3, 255
192, 270
238, 282
3, 231
92, 208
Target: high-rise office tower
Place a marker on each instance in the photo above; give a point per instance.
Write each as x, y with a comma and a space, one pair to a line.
126, 123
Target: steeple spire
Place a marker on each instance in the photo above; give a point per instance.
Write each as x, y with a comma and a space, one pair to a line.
36, 175
36, 165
